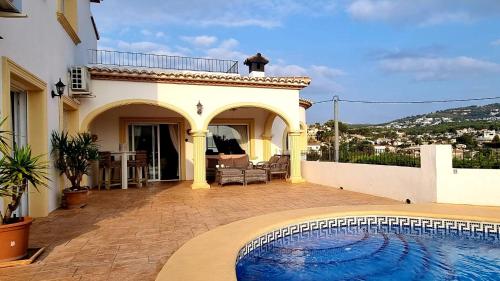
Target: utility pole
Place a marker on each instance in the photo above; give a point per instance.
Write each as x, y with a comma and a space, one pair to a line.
336, 119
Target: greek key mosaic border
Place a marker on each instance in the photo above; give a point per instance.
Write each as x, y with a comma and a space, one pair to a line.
397, 224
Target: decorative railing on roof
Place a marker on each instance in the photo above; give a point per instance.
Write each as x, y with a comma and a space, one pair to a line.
130, 59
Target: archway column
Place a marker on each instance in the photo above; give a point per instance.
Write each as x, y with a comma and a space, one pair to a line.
295, 150
199, 176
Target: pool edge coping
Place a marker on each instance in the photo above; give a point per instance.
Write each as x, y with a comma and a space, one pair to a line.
212, 255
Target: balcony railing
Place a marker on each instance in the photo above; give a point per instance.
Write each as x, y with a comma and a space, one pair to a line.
130, 59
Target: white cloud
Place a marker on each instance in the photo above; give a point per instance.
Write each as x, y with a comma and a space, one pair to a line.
324, 79
200, 41
202, 13
438, 68
226, 50
496, 43
423, 12
145, 47
159, 34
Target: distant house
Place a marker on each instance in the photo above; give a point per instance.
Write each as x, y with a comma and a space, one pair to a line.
487, 136
314, 146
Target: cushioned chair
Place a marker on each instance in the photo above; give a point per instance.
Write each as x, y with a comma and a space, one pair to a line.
230, 175
256, 175
281, 167
232, 168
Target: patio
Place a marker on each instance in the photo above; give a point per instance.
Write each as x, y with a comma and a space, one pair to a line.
130, 234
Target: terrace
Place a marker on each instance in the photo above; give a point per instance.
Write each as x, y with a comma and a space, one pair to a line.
130, 234
160, 62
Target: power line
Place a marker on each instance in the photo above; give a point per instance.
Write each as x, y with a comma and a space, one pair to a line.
410, 102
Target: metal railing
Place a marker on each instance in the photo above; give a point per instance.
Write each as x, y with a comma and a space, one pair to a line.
399, 158
130, 59
485, 158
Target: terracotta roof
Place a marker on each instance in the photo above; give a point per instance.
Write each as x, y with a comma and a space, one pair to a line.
256, 58
196, 78
305, 103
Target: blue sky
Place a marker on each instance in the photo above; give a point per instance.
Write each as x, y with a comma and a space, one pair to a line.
357, 49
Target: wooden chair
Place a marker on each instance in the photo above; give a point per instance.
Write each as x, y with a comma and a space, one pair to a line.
107, 166
141, 166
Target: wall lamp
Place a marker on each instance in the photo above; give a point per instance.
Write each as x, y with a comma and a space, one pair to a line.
59, 88
199, 108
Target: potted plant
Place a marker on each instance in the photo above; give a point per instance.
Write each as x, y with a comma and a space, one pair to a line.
73, 156
18, 168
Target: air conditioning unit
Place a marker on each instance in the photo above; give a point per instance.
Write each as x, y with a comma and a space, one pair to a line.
80, 79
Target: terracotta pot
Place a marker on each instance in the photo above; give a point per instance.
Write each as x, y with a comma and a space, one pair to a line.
14, 239
75, 199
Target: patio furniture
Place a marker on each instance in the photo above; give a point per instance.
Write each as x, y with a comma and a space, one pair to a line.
141, 167
266, 164
107, 166
124, 155
230, 175
280, 167
238, 161
211, 162
232, 168
256, 175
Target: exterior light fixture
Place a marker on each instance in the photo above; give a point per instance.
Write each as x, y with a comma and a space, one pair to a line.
59, 88
199, 107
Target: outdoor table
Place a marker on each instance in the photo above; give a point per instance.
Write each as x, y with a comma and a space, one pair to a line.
124, 159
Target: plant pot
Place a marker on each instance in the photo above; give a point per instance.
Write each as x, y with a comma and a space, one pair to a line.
14, 239
73, 199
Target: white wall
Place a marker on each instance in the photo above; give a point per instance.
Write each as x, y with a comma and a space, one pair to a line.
278, 129
186, 97
39, 44
471, 186
436, 180
394, 182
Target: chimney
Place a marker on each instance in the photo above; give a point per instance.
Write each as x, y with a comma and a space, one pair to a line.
256, 65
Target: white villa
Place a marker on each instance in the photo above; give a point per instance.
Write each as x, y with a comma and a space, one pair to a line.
170, 106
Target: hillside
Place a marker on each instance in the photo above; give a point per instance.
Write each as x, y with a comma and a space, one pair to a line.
468, 114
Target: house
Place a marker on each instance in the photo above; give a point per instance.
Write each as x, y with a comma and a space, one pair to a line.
175, 108
314, 146
486, 136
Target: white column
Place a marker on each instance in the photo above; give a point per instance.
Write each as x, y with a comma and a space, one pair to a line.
295, 147
199, 165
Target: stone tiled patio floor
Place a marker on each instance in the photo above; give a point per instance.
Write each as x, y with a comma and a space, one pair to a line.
130, 234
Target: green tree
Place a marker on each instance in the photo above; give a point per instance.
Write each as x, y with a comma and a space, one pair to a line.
467, 139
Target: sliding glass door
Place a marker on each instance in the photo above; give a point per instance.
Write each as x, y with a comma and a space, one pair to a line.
161, 142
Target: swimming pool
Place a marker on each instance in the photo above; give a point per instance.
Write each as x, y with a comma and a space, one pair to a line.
374, 248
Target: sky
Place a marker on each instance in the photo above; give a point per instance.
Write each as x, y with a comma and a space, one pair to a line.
356, 49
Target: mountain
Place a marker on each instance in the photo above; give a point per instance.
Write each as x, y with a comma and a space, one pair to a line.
490, 112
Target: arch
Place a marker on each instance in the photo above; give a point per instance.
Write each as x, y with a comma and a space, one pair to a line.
93, 114
219, 110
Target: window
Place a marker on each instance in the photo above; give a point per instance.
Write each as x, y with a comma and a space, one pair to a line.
227, 139
67, 15
11, 8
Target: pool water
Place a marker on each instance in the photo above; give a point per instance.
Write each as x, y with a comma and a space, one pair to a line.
368, 254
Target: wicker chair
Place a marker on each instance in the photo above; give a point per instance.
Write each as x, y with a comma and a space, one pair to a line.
280, 167
232, 168
230, 175
256, 175
266, 164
